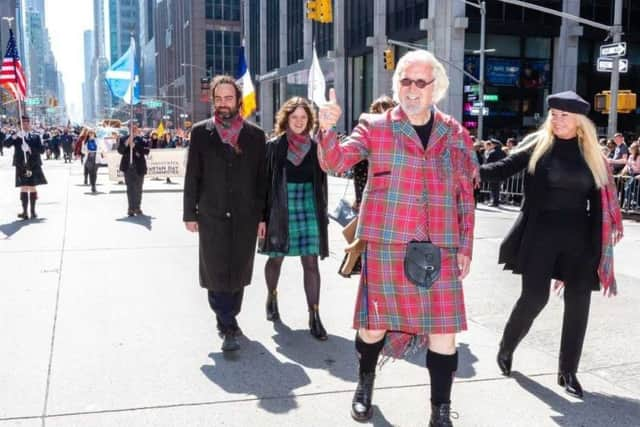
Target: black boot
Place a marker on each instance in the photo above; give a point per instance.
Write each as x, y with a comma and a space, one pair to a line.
440, 415
571, 384
24, 200
504, 359
33, 197
361, 409
315, 325
272, 306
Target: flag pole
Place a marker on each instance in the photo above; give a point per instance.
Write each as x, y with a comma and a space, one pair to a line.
133, 83
9, 20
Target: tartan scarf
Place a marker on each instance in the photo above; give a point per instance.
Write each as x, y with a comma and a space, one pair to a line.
611, 224
299, 146
229, 129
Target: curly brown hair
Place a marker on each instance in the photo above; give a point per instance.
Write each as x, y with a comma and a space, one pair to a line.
382, 104
282, 116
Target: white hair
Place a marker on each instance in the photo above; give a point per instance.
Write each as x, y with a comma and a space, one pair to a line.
421, 57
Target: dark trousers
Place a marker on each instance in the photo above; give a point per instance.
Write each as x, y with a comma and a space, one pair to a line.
134, 183
494, 187
226, 306
562, 247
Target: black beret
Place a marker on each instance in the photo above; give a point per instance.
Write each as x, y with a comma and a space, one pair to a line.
569, 101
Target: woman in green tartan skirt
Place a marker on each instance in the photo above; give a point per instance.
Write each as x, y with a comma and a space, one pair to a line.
296, 207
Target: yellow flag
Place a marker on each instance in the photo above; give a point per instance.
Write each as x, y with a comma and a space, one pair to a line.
160, 130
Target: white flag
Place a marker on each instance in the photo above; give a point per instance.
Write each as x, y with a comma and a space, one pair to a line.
316, 86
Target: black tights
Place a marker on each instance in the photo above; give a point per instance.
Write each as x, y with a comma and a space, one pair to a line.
311, 276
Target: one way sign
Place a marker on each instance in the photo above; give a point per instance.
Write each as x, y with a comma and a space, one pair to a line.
614, 49
605, 65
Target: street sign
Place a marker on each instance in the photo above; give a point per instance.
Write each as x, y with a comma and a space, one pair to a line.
605, 65
613, 50
491, 98
476, 111
478, 104
32, 101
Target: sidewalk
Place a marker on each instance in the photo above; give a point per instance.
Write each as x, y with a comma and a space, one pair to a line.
103, 324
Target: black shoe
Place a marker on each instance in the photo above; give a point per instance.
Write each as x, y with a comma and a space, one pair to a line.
23, 215
34, 215
571, 384
504, 360
361, 409
93, 189
138, 211
272, 307
130, 212
230, 342
440, 415
315, 325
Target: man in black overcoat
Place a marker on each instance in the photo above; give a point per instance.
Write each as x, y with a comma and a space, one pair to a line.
494, 153
224, 193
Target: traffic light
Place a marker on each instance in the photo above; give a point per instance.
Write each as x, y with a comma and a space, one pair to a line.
325, 11
389, 59
626, 101
313, 11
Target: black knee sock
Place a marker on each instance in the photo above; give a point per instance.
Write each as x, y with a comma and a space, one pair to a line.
33, 196
368, 354
441, 368
24, 198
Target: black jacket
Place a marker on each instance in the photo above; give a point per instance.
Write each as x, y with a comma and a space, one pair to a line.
516, 246
224, 192
495, 155
139, 151
276, 213
33, 159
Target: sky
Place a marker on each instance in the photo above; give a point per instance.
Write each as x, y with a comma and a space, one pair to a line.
66, 21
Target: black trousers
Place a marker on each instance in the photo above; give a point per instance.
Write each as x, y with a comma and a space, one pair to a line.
560, 245
494, 188
134, 183
226, 306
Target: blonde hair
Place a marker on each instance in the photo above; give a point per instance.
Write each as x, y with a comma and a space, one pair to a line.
541, 141
420, 56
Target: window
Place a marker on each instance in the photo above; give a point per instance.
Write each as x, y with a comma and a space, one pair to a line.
295, 26
222, 10
222, 51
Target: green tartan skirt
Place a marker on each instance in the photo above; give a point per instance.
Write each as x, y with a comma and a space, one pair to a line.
304, 235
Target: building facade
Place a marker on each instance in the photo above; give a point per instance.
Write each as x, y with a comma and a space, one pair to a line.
87, 85
535, 54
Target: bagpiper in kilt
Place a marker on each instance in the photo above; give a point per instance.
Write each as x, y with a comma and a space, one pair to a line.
420, 188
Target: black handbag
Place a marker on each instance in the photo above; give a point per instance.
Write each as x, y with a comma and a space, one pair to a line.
422, 263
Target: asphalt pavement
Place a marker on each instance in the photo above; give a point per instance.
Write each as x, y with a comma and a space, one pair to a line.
102, 323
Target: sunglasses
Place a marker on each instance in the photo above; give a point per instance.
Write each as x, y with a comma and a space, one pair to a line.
420, 83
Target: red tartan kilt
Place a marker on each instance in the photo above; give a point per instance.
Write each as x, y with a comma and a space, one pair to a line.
388, 301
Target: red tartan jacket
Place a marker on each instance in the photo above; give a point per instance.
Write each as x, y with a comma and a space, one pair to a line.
407, 184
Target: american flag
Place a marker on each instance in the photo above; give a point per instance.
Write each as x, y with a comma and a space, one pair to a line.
11, 75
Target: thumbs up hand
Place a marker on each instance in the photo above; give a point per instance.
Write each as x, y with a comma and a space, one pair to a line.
329, 113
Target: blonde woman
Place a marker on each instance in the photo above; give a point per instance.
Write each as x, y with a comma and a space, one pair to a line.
569, 222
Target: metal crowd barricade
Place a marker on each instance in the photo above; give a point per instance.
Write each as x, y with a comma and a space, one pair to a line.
511, 190
628, 190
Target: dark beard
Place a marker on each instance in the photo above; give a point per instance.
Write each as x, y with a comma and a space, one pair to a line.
227, 113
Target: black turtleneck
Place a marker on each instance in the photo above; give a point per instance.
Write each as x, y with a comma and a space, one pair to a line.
569, 180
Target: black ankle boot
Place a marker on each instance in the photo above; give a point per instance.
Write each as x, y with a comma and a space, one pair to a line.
504, 359
571, 384
361, 409
440, 415
315, 325
272, 307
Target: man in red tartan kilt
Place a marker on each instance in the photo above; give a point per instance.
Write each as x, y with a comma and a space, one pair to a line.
420, 188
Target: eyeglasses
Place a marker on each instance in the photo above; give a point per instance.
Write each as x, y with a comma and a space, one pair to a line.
420, 83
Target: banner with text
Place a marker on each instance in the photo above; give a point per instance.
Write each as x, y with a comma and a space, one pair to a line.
161, 163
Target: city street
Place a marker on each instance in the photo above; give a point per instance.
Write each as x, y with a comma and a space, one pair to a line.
103, 324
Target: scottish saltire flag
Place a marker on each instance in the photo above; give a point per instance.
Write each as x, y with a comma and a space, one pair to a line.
11, 75
316, 85
122, 78
248, 91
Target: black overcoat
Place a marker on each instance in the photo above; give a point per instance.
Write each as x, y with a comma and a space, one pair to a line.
139, 152
276, 212
224, 192
516, 247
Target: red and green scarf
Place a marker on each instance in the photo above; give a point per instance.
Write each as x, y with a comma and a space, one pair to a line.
299, 146
229, 129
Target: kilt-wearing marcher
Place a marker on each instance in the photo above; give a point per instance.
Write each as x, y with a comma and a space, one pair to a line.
296, 208
27, 151
569, 222
224, 193
421, 167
